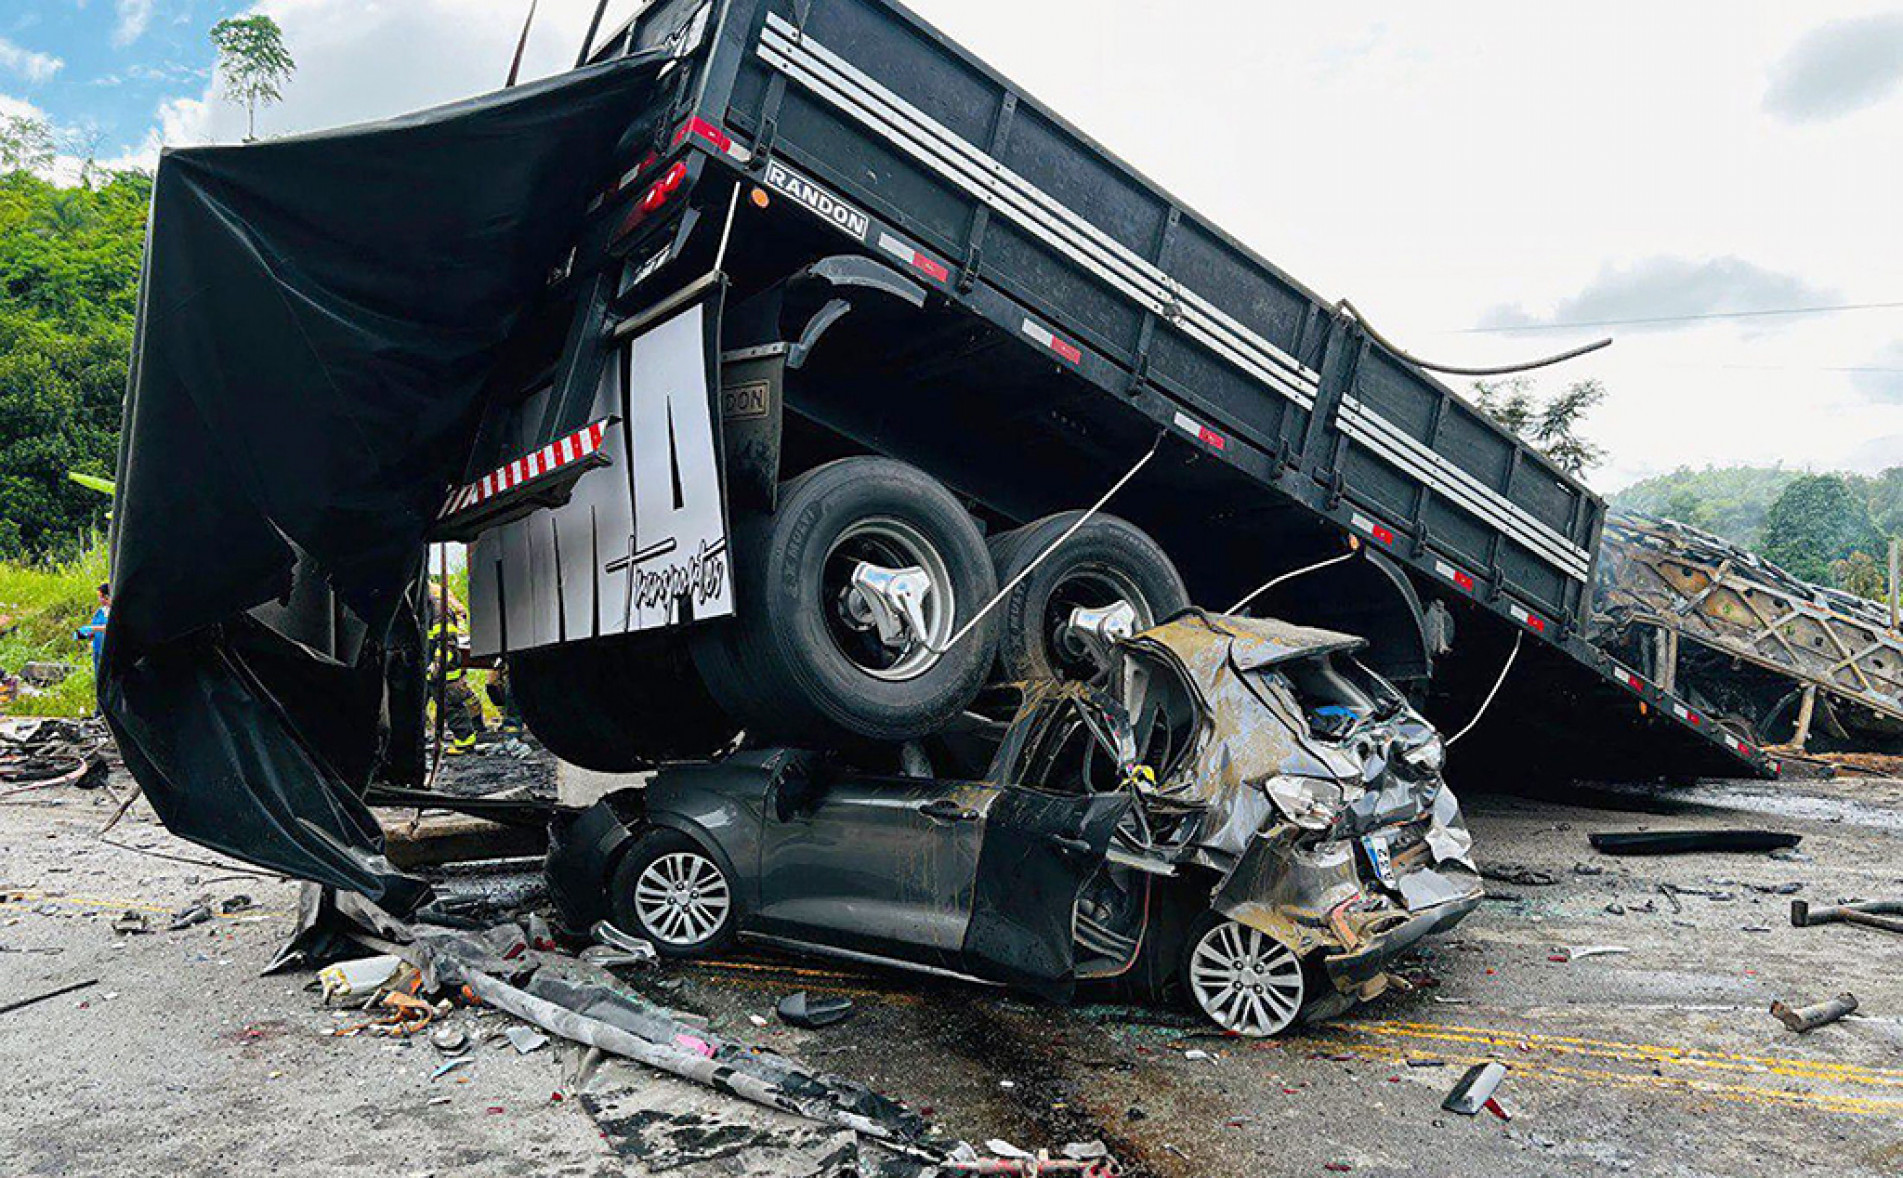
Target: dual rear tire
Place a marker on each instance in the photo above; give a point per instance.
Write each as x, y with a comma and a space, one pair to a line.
849, 597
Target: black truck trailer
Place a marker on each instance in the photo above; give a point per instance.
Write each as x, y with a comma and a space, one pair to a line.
842, 262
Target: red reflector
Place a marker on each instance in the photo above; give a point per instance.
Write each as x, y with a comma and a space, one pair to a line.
674, 176
930, 268
1069, 351
1464, 581
703, 129
656, 197
1385, 535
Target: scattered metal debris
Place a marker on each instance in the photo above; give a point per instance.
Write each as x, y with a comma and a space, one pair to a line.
1475, 1088
1583, 952
358, 979
525, 1039
1692, 842
131, 922
22, 1003
449, 1040
616, 948
1518, 873
1808, 1018
803, 1010
1884, 914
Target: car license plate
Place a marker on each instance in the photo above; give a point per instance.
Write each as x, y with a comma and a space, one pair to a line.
1379, 857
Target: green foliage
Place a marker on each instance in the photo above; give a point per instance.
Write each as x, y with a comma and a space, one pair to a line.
1861, 574
1728, 501
69, 280
40, 607
1816, 522
1553, 426
26, 144
252, 63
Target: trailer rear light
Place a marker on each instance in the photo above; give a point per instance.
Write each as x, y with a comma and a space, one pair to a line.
655, 197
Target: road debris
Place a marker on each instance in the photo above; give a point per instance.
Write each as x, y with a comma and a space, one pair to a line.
1518, 873
131, 923
358, 979
1808, 1018
615, 948
525, 1039
23, 1003
449, 1040
451, 1066
196, 913
1583, 952
802, 1010
1475, 1088
1881, 914
1692, 842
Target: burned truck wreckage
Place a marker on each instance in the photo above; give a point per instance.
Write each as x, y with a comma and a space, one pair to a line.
1252, 821
844, 439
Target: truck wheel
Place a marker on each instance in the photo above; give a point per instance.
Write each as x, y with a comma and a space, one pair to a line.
1109, 564
618, 704
847, 595
1240, 978
671, 892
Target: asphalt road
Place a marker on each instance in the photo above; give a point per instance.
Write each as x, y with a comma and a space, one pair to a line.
1659, 1060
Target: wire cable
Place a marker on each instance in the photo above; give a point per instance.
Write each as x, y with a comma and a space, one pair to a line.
1488, 702
1695, 318
1451, 370
1274, 581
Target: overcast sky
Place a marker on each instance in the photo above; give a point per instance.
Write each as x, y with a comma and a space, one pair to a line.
1474, 176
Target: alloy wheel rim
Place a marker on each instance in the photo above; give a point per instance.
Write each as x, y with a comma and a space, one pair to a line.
1245, 980
682, 898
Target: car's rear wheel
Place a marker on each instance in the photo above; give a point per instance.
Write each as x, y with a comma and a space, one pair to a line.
1108, 580
670, 891
1240, 978
848, 595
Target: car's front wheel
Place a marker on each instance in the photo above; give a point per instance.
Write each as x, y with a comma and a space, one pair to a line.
669, 890
1241, 978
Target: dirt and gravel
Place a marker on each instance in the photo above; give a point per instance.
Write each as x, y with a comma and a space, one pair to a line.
1658, 1059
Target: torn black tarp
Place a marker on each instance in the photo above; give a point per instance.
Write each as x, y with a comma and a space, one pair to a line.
318, 319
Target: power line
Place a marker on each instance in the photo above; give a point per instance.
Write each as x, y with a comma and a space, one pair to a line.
1677, 318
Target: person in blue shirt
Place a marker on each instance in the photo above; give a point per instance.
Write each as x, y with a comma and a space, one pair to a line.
95, 630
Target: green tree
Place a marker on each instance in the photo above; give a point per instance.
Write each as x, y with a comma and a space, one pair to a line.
253, 64
69, 272
1859, 573
26, 144
1552, 426
1816, 522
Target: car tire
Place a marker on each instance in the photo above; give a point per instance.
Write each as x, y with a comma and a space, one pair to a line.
794, 666
618, 704
1240, 978
669, 890
1109, 559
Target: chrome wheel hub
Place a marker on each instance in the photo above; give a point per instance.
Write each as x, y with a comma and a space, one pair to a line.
1244, 980
682, 898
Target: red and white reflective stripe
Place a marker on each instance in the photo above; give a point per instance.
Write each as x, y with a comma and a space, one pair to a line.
1739, 746
916, 258
1686, 714
1457, 576
1628, 678
557, 454
1380, 533
1049, 339
1531, 621
1201, 432
702, 129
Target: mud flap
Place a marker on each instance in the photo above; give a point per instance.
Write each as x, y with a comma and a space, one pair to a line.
1039, 851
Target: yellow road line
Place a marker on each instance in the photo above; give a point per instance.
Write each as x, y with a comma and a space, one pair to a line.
1681, 1085
1648, 1053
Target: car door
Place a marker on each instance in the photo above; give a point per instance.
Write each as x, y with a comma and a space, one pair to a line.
877, 865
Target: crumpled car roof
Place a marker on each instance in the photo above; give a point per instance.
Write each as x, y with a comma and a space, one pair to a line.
1202, 641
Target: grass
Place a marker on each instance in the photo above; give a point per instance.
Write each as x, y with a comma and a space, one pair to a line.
46, 603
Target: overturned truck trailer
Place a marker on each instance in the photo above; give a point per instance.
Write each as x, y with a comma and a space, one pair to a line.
1772, 658
752, 359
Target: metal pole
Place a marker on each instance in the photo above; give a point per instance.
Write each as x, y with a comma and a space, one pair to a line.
1896, 565
1804, 710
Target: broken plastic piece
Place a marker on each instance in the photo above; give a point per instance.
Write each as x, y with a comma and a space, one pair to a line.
525, 1038
354, 979
1475, 1089
197, 912
803, 1010
1809, 1018
1692, 842
1585, 951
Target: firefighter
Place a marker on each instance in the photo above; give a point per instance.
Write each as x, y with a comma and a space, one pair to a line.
462, 712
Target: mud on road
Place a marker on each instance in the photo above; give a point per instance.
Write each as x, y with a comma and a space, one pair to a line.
1661, 1059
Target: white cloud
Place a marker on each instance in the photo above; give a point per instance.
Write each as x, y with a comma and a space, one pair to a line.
134, 16
29, 64
1838, 68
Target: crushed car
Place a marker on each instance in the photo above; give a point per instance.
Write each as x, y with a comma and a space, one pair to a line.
1239, 815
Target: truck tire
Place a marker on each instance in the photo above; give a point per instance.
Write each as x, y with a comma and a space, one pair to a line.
618, 704
1107, 561
803, 662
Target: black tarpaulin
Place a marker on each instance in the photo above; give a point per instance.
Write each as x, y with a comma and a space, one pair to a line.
318, 317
